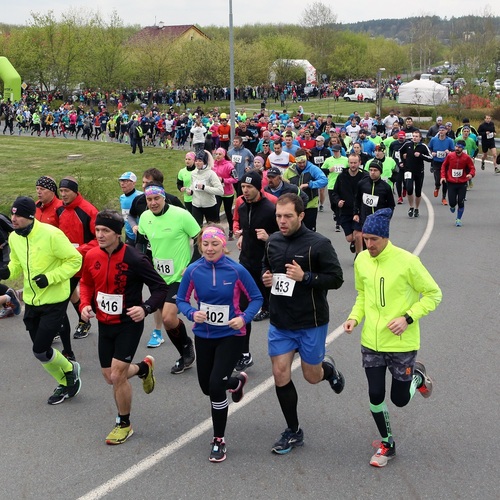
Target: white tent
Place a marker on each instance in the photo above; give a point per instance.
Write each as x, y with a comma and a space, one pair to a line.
425, 92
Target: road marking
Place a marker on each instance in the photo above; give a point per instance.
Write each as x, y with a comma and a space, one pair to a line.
159, 455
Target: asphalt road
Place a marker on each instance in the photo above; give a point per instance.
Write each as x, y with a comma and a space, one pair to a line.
448, 445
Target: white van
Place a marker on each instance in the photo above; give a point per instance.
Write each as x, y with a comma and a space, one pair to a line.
425, 76
368, 95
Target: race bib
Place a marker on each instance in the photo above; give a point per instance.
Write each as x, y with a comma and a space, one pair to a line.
490, 135
456, 172
440, 154
319, 160
199, 186
370, 200
164, 267
236, 158
110, 303
217, 315
282, 285
407, 175
337, 169
397, 155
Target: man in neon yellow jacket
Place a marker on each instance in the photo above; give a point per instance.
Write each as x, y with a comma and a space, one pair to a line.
47, 259
394, 290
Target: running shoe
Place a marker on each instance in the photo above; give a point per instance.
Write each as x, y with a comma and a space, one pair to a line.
383, 454
73, 381
246, 361
288, 441
426, 387
14, 302
497, 170
352, 247
237, 394
452, 210
218, 452
410, 212
337, 228
119, 434
416, 213
148, 380
230, 236
321, 208
59, 395
337, 381
185, 362
400, 200
482, 164
6, 312
458, 223
471, 184
156, 339
261, 315
444, 202
189, 355
57, 338
82, 330
436, 192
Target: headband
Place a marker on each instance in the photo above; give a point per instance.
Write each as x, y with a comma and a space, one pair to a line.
214, 232
47, 183
69, 184
190, 155
154, 190
113, 224
301, 158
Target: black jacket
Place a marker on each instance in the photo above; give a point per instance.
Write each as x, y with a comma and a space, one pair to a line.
363, 205
308, 305
258, 215
345, 189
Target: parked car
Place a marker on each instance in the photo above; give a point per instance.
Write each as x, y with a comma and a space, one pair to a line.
369, 95
496, 85
460, 82
447, 82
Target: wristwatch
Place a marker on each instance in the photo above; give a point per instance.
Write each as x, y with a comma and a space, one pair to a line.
147, 308
307, 277
408, 319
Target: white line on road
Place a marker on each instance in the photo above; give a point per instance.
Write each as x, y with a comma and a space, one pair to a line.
159, 455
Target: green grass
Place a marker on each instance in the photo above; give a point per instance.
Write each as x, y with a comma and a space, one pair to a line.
24, 159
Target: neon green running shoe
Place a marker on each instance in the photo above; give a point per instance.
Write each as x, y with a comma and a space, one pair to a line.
148, 381
119, 434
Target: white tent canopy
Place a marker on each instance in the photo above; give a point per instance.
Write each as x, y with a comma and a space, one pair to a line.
424, 92
309, 69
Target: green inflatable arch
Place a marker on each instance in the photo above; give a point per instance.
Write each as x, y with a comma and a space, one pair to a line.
11, 80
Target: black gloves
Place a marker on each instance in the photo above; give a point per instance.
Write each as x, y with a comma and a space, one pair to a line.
41, 280
4, 273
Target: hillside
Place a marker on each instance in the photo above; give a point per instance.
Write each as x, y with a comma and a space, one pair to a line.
443, 29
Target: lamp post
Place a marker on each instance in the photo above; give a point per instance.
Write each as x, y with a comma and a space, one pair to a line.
379, 93
232, 107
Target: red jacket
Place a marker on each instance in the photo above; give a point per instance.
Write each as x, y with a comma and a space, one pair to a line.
77, 222
48, 213
123, 273
455, 168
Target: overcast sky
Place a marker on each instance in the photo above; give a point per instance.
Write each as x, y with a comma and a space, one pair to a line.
216, 12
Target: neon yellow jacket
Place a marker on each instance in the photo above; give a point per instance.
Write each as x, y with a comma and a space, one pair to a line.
391, 285
46, 250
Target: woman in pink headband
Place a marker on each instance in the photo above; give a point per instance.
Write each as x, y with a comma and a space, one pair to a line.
218, 282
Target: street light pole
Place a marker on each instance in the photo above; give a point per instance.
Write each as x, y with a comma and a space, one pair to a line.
232, 107
379, 93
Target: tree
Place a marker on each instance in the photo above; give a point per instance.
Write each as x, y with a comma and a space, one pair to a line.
319, 21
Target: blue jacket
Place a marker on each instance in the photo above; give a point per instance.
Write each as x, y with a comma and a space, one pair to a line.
219, 283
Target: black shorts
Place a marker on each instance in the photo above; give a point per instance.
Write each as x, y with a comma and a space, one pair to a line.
349, 225
172, 293
487, 145
118, 341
